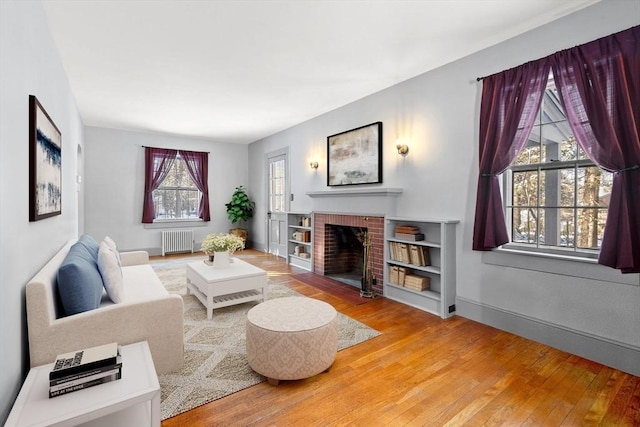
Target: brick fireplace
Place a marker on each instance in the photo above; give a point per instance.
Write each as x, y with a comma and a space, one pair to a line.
325, 246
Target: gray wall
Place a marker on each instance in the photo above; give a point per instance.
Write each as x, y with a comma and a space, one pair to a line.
586, 309
114, 172
29, 65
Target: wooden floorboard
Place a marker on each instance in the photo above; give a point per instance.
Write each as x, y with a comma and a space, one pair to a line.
426, 371
348, 293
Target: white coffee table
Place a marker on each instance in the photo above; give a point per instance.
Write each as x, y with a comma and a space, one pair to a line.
216, 288
133, 400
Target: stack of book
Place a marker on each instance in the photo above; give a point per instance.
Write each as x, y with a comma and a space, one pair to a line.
417, 283
85, 368
409, 232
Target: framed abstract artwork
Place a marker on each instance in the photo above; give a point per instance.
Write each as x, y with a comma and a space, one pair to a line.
355, 156
45, 164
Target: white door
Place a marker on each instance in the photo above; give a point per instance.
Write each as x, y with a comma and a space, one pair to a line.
278, 196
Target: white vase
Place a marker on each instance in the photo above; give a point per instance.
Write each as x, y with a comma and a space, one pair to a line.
221, 260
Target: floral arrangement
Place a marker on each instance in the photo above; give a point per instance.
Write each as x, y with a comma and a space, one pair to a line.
221, 243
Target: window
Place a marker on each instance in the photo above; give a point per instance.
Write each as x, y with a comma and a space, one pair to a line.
556, 198
177, 197
175, 185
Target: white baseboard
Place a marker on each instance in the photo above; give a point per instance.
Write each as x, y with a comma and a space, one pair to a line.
598, 349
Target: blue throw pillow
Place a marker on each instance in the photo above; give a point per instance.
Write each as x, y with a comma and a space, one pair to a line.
80, 284
90, 244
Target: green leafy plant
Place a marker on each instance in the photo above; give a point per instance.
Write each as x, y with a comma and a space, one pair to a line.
240, 208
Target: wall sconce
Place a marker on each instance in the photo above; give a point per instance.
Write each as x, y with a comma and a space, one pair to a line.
313, 165
403, 149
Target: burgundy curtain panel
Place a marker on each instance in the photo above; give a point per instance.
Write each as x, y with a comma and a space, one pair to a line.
198, 167
599, 86
157, 163
508, 109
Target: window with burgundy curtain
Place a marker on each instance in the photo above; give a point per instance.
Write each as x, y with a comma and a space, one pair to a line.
599, 89
176, 185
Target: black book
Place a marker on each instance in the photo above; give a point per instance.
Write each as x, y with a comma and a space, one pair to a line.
103, 378
82, 375
84, 360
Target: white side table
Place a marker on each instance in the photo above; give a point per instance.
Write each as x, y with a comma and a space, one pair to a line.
133, 400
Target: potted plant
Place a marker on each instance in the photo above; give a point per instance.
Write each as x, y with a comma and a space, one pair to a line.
239, 210
221, 245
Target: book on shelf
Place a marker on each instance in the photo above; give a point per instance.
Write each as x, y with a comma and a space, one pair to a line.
417, 283
411, 237
83, 383
414, 255
393, 274
405, 253
301, 236
77, 362
407, 229
420, 256
397, 274
402, 273
409, 254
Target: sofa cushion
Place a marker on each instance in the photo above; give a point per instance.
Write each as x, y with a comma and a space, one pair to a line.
112, 244
80, 284
142, 284
111, 272
86, 248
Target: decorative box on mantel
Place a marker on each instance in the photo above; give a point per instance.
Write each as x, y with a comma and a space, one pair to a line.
362, 200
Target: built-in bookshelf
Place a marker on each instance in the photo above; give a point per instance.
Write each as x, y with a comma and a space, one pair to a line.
300, 239
420, 263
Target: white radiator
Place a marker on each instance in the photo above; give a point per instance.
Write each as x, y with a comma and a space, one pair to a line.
177, 241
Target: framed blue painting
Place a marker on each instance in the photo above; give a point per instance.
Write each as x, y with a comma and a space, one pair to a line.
45, 164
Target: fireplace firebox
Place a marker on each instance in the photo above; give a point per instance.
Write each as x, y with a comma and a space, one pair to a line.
339, 248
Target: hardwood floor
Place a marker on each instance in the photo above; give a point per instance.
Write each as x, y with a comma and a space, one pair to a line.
425, 371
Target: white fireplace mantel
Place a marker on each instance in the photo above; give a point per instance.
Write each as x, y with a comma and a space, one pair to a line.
350, 192
361, 200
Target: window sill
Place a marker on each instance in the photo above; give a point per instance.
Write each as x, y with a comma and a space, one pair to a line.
564, 265
175, 223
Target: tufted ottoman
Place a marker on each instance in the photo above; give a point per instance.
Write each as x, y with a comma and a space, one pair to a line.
291, 338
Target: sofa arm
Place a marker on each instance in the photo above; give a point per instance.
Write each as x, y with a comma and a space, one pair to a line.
158, 321
134, 258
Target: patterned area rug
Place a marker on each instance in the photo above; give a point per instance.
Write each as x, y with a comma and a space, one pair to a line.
215, 357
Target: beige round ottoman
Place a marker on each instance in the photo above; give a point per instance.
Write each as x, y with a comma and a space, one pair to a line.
291, 338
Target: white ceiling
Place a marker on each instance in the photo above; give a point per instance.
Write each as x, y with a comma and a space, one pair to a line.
238, 71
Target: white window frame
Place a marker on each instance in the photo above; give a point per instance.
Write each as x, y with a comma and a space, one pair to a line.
572, 253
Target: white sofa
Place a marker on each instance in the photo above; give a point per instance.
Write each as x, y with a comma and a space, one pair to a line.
147, 312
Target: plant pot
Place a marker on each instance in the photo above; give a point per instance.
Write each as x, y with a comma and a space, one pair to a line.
243, 233
221, 260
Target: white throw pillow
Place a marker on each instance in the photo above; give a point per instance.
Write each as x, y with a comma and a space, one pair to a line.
109, 241
111, 272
